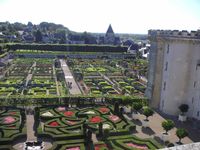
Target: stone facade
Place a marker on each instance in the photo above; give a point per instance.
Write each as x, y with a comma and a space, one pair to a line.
174, 71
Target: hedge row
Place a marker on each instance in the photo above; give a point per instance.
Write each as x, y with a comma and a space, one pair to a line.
68, 48
80, 100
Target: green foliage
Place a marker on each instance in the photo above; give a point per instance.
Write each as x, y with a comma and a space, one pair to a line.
38, 36
137, 106
148, 112
168, 125
181, 133
69, 48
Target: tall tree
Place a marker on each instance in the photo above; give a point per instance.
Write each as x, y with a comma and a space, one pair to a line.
38, 36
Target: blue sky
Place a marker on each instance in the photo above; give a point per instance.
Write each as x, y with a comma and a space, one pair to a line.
126, 16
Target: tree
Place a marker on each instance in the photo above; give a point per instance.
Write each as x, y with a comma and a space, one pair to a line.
183, 108
89, 135
38, 36
116, 108
181, 133
30, 24
148, 112
168, 125
137, 106
100, 129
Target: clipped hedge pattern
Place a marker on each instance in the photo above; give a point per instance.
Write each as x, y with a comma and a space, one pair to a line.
12, 126
56, 125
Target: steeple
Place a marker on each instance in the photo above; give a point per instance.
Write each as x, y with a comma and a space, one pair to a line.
110, 30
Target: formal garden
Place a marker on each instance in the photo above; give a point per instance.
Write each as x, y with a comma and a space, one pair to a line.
31, 78
99, 127
102, 117
105, 77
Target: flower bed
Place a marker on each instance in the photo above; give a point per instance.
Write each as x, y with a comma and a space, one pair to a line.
100, 146
68, 113
61, 108
74, 148
71, 122
8, 120
95, 119
104, 110
114, 118
139, 147
47, 114
53, 124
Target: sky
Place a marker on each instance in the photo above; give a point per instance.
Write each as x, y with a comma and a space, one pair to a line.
125, 16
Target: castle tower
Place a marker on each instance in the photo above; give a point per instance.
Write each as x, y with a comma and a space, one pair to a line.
174, 71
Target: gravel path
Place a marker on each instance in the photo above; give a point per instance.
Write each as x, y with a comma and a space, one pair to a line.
69, 78
30, 131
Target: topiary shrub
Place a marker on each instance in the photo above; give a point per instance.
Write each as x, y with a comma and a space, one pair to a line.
181, 133
148, 112
167, 125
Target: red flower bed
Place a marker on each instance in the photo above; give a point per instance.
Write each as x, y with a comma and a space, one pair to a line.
100, 146
68, 113
95, 119
54, 124
140, 147
103, 110
12, 113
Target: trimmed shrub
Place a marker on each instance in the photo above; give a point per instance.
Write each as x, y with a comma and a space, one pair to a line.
168, 125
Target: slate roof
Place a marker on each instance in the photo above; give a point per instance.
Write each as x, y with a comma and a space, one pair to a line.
110, 30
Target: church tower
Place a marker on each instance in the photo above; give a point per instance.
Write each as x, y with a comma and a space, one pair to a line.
110, 36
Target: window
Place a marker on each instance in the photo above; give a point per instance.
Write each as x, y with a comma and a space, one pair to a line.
164, 86
167, 48
166, 66
195, 84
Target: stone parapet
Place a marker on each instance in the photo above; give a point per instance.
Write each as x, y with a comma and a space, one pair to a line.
174, 33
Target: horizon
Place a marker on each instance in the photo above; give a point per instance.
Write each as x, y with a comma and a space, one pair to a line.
94, 16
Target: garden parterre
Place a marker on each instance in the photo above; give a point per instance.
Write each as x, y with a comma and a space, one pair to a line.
12, 126
66, 126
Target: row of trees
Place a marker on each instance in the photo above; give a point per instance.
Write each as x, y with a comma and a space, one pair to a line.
167, 124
